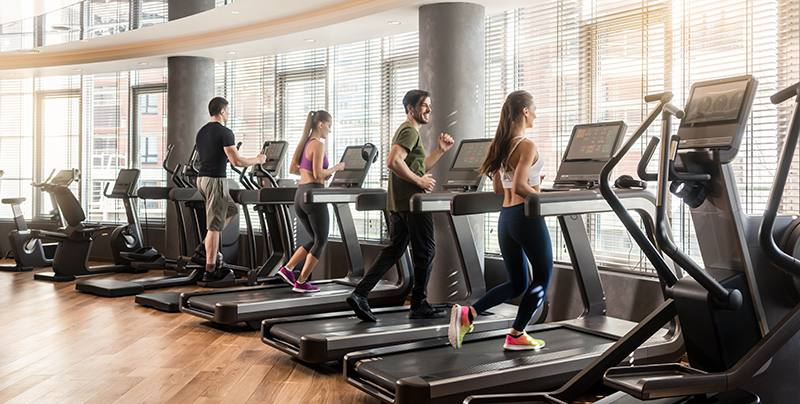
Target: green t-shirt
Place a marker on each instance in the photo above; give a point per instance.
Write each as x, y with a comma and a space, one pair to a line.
401, 190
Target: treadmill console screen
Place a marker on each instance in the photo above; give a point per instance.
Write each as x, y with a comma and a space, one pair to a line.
470, 154
594, 141
714, 103
352, 159
274, 153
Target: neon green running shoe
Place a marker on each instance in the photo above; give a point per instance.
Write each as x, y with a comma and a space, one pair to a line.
459, 325
522, 342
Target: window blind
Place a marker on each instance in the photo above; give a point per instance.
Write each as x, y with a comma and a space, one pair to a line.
17, 143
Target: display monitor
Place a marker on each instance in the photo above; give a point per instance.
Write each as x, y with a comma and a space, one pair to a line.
716, 116
352, 159
716, 102
595, 141
470, 154
275, 151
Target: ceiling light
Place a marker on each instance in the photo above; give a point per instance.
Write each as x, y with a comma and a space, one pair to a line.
84, 40
310, 40
61, 28
231, 53
12, 74
143, 63
78, 70
394, 23
234, 12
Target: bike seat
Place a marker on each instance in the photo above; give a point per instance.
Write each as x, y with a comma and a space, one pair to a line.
13, 201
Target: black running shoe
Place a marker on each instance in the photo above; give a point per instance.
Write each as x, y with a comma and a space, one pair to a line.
360, 305
425, 310
217, 275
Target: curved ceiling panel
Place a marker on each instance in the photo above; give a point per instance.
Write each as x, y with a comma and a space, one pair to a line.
244, 28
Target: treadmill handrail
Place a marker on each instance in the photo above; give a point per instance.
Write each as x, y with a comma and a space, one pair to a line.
613, 200
336, 194
431, 202
185, 195
470, 203
371, 201
766, 239
268, 196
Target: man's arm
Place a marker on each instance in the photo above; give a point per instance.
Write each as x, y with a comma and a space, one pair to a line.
240, 161
445, 142
395, 161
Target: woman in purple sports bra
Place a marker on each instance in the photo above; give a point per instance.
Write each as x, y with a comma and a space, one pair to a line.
310, 162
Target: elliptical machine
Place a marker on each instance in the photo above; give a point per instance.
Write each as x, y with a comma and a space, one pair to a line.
30, 252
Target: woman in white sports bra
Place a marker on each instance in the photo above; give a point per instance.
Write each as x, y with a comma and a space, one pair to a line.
514, 164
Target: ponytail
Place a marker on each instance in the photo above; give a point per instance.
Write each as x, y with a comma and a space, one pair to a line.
499, 148
312, 120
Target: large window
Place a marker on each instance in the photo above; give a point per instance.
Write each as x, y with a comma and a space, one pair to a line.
588, 61
583, 61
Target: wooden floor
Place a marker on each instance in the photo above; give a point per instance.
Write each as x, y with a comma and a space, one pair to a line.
58, 345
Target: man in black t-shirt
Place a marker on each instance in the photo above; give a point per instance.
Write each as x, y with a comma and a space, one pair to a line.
215, 146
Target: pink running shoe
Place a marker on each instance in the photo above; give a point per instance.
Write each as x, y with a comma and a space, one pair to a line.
286, 275
522, 342
459, 325
305, 287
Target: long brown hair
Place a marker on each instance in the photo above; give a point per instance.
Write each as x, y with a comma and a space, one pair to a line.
312, 120
499, 148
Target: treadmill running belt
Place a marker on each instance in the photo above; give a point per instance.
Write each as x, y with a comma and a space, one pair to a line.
478, 356
393, 321
244, 296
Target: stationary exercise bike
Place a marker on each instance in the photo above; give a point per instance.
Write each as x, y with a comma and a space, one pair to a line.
75, 239
29, 252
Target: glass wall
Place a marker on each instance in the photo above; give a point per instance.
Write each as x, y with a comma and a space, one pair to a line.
583, 61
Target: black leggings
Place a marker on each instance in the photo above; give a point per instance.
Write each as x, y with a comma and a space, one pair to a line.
315, 219
520, 236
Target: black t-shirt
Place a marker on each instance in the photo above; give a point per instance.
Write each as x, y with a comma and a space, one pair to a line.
211, 141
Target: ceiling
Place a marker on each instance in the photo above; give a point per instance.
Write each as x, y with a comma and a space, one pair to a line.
245, 28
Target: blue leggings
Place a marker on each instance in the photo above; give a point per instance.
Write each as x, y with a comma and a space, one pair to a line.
520, 236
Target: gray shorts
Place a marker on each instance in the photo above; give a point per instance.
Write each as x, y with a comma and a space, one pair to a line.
219, 204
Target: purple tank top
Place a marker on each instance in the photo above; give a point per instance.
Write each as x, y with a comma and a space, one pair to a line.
306, 164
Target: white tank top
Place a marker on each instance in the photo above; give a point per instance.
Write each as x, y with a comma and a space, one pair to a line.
507, 174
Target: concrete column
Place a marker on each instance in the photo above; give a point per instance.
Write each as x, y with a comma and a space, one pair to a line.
451, 67
190, 86
184, 8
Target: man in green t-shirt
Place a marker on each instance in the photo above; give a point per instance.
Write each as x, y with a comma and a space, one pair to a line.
408, 166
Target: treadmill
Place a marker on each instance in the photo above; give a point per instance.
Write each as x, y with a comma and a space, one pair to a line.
324, 337
434, 372
253, 304
117, 288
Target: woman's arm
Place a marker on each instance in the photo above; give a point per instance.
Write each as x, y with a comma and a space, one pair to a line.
497, 183
527, 156
317, 151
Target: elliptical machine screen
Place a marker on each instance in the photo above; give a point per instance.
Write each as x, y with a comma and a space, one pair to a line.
274, 152
715, 103
716, 116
